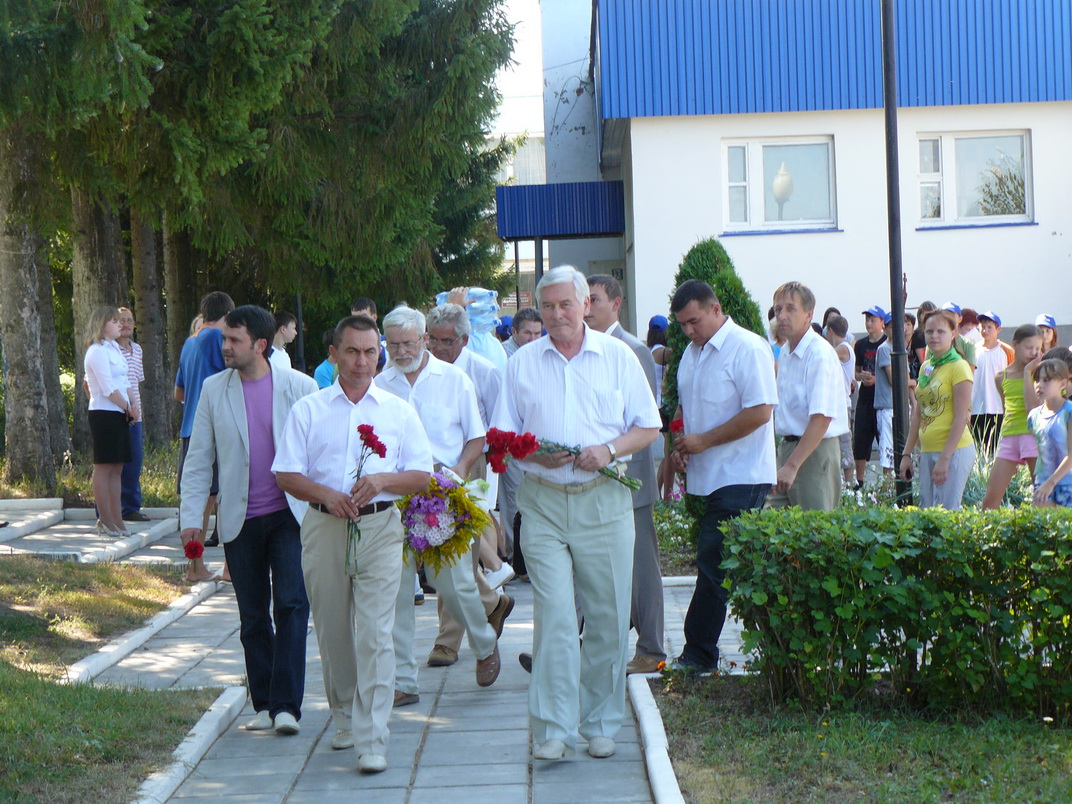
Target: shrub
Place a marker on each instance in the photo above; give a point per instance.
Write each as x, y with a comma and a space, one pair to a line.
939, 608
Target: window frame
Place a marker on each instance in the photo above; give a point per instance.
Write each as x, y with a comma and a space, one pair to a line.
946, 178
755, 194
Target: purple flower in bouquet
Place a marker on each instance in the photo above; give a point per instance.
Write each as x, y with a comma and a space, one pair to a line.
418, 542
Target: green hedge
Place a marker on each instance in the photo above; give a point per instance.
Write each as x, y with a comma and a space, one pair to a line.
934, 607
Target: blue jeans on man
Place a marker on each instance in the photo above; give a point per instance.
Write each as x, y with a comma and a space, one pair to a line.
266, 570
131, 478
707, 610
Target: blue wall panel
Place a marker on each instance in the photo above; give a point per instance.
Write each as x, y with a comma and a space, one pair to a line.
572, 209
686, 57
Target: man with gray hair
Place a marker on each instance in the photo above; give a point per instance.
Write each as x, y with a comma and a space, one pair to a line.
647, 605
446, 403
586, 390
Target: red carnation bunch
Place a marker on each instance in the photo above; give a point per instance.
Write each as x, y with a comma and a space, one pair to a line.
194, 550
372, 441
504, 444
677, 426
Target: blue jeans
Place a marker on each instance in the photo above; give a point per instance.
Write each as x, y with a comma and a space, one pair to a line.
265, 564
131, 495
707, 610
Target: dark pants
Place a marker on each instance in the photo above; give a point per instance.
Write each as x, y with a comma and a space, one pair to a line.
707, 611
265, 564
131, 495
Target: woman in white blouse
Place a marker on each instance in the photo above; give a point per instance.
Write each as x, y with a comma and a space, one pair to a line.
111, 411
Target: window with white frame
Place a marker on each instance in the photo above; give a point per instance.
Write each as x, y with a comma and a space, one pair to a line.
775, 184
975, 178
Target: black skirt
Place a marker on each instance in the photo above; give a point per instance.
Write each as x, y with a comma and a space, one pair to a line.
111, 436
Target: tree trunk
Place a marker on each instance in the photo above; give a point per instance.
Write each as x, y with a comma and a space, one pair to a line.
156, 390
58, 432
98, 277
178, 285
29, 456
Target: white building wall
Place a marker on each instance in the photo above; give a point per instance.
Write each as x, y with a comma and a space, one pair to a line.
674, 187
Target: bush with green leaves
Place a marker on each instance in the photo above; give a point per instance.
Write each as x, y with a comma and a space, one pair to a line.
950, 609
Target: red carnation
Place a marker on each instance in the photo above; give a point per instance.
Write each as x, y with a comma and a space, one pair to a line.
194, 550
364, 429
529, 444
497, 462
677, 426
499, 440
380, 448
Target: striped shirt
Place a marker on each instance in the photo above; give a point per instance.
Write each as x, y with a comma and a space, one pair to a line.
135, 372
591, 399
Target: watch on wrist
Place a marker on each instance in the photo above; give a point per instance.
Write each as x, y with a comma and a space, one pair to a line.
613, 451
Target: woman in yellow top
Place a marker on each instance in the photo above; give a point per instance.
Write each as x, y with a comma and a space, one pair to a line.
940, 420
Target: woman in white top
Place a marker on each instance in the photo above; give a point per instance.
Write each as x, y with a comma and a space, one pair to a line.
111, 411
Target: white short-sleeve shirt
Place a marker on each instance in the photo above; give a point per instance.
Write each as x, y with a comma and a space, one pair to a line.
985, 396
445, 401
733, 371
592, 398
106, 371
810, 382
487, 379
321, 441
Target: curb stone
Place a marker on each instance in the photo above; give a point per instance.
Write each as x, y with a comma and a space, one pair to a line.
38, 503
93, 665
30, 524
679, 580
132, 543
159, 787
661, 776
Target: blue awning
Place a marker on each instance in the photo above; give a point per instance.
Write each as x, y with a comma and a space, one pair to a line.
575, 209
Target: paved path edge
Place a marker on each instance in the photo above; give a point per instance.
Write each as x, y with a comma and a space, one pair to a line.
679, 580
160, 786
40, 503
87, 669
31, 524
661, 776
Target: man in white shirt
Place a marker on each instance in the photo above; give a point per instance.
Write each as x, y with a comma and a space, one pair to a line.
646, 610
526, 327
446, 402
727, 395
585, 390
353, 601
286, 330
811, 413
448, 333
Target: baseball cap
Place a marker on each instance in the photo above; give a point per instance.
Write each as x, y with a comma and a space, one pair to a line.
876, 310
887, 318
1044, 320
952, 307
658, 323
991, 315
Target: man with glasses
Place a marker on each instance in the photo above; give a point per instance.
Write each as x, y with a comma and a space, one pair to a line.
446, 403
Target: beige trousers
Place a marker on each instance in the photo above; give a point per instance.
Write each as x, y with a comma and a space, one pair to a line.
578, 544
818, 483
451, 630
353, 613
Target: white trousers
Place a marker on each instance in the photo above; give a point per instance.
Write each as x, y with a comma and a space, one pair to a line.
353, 612
578, 544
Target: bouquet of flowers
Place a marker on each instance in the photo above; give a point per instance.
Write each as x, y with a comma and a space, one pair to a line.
442, 521
370, 445
504, 444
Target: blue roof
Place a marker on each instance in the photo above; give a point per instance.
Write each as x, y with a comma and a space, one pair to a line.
575, 209
691, 57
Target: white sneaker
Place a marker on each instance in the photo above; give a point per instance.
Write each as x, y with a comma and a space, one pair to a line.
372, 763
502, 575
262, 722
344, 738
550, 749
286, 723
601, 747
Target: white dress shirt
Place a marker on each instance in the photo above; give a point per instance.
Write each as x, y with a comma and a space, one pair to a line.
445, 401
487, 379
810, 382
734, 370
591, 399
280, 359
321, 440
106, 371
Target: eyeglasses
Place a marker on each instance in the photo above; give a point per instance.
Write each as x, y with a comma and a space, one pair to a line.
407, 346
448, 342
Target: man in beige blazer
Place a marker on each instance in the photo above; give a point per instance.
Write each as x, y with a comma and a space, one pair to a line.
239, 420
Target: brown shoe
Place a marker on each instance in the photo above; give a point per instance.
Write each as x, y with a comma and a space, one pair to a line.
498, 616
643, 664
442, 656
487, 670
406, 698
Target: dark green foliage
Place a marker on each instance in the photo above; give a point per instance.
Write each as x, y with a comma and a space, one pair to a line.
951, 609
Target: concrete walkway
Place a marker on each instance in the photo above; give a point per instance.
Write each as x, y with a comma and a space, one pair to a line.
460, 743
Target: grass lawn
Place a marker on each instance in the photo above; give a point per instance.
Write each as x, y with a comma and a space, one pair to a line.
728, 745
81, 743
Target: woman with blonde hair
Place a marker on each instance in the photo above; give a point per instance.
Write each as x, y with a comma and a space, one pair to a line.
111, 412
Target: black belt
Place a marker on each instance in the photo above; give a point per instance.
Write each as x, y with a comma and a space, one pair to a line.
790, 438
371, 508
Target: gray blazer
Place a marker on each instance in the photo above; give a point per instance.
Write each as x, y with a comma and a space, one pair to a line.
641, 465
221, 430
